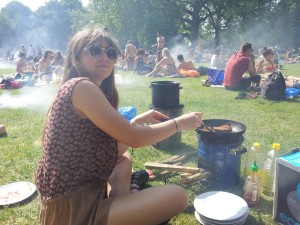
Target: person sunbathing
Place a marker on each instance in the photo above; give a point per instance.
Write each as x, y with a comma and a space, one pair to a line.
186, 68
166, 65
292, 82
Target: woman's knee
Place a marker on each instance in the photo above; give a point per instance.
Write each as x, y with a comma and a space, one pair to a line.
180, 195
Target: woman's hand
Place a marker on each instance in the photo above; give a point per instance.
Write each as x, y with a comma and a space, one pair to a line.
150, 117
189, 121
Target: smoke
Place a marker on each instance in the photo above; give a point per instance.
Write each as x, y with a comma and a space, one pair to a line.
36, 98
4, 65
124, 80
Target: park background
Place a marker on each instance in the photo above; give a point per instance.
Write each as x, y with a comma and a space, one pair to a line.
210, 24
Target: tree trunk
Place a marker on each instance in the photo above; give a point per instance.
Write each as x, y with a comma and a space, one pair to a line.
218, 31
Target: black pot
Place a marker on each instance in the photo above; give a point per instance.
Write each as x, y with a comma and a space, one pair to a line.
165, 94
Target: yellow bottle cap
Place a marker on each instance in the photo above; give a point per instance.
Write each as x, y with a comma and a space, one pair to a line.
256, 145
276, 146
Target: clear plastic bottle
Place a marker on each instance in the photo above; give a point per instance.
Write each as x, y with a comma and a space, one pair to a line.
252, 187
253, 155
269, 171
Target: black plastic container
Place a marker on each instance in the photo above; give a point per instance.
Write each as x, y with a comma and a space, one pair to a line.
173, 141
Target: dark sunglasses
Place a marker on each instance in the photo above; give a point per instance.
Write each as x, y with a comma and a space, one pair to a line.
95, 51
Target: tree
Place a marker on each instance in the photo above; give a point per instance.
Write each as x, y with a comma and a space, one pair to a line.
20, 18
5, 28
53, 22
137, 20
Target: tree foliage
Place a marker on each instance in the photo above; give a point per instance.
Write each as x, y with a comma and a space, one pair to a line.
221, 24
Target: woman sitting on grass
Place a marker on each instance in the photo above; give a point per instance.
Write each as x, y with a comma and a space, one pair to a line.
166, 65
140, 66
84, 174
266, 63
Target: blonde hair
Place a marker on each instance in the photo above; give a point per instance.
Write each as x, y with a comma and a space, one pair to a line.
166, 52
72, 69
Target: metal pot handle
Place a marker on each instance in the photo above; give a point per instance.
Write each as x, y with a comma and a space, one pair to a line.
237, 152
180, 87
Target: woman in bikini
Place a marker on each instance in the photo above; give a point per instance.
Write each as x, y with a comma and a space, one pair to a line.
166, 65
266, 63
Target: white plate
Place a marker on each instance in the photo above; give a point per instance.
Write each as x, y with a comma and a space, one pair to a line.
16, 192
204, 222
221, 206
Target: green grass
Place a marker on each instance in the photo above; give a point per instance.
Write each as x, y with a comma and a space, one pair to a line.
266, 122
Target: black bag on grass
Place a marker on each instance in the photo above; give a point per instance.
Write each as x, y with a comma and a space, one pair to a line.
274, 87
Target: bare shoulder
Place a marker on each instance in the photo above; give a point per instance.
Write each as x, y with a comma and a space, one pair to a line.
85, 86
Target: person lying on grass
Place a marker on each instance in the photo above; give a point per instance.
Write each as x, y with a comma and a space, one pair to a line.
84, 175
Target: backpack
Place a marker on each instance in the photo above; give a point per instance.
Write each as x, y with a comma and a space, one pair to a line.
274, 87
215, 77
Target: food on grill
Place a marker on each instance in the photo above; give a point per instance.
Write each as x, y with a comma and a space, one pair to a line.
222, 128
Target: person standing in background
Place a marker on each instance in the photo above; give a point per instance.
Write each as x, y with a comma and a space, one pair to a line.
160, 42
30, 53
24, 50
130, 54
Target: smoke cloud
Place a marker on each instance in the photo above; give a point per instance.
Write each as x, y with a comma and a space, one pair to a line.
37, 98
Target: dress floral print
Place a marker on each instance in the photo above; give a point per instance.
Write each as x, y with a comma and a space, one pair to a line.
76, 152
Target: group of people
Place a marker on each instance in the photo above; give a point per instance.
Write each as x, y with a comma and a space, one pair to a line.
86, 177
152, 65
42, 66
244, 61
290, 59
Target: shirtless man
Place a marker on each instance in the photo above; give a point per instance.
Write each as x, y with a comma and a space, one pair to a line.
187, 68
185, 65
130, 54
160, 42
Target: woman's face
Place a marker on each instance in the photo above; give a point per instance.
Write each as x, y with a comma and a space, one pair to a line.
270, 56
97, 61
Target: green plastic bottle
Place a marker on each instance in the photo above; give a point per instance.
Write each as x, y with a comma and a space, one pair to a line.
252, 187
269, 171
253, 155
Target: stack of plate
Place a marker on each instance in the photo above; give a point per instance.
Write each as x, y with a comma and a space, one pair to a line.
220, 208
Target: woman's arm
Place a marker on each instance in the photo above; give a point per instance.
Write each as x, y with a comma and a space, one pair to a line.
161, 62
259, 65
89, 101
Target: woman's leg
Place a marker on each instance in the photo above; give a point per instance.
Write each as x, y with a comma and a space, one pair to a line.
120, 179
150, 206
155, 70
165, 72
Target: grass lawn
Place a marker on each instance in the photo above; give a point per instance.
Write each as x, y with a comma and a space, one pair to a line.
266, 122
